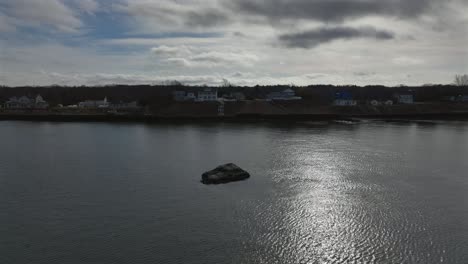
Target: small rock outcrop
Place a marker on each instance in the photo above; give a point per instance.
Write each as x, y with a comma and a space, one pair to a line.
224, 174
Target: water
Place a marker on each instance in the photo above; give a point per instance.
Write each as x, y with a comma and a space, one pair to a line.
320, 193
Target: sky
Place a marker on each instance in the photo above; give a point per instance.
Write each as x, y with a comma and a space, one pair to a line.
247, 42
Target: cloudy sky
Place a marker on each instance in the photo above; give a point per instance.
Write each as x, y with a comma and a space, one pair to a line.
247, 42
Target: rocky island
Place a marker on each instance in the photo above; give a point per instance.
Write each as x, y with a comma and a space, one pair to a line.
224, 174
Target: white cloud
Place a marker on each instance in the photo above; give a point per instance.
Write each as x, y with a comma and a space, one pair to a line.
172, 51
200, 57
44, 13
88, 6
215, 58
6, 24
407, 61
169, 15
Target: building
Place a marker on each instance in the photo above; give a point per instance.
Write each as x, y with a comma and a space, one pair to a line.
208, 94
344, 99
180, 96
405, 98
40, 103
287, 95
190, 96
125, 105
91, 104
25, 102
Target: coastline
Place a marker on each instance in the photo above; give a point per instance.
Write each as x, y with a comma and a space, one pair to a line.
147, 118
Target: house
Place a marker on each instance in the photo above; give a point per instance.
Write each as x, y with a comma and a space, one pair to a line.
208, 94
405, 98
91, 104
25, 102
178, 96
40, 103
125, 105
344, 99
287, 94
190, 96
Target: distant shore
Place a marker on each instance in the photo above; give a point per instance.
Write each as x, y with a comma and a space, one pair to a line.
53, 117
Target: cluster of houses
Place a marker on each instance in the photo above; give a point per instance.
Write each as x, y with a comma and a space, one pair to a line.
346, 99
205, 95
342, 98
211, 94
105, 104
24, 102
38, 103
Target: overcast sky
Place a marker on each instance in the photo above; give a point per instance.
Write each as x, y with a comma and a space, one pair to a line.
248, 42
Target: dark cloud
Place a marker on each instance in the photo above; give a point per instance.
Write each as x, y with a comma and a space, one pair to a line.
331, 10
315, 37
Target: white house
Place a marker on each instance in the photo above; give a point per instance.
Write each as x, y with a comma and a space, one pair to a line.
90, 104
25, 102
40, 103
344, 98
208, 94
405, 99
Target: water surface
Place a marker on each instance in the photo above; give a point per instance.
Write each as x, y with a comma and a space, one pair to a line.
320, 193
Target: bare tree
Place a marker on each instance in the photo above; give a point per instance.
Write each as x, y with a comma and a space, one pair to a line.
226, 83
461, 80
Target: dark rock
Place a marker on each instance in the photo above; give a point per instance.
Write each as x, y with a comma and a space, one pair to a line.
224, 174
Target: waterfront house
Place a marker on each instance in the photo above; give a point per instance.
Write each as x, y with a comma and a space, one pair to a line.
25, 102
125, 105
178, 96
40, 103
344, 99
405, 98
190, 96
92, 104
285, 95
207, 94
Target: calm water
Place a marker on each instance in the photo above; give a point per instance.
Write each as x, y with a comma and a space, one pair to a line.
319, 193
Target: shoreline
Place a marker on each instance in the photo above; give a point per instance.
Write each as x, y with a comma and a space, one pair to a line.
51, 117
